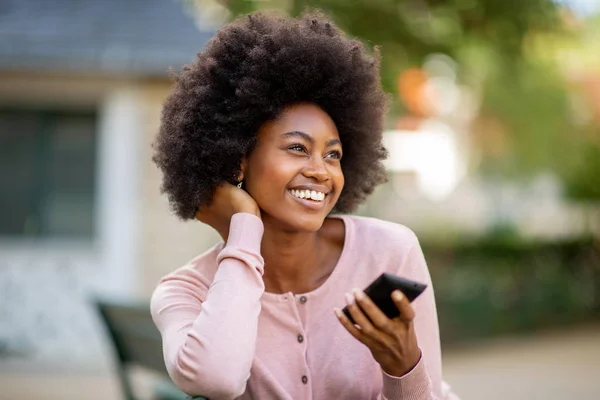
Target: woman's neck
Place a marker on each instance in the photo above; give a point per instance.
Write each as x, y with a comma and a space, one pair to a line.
298, 262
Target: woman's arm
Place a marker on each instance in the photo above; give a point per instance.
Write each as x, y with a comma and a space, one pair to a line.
424, 381
209, 343
406, 347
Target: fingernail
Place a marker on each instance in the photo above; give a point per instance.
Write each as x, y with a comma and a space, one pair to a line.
397, 295
358, 294
349, 298
337, 312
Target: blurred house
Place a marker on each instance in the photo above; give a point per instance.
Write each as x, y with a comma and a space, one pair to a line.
81, 89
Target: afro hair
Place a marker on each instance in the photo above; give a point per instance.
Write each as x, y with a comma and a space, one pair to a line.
253, 68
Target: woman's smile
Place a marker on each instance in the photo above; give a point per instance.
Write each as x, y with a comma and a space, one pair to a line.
311, 199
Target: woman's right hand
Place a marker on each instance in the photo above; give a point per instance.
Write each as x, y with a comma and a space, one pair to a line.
227, 200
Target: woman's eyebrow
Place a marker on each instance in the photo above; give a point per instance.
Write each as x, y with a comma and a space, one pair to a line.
303, 135
309, 138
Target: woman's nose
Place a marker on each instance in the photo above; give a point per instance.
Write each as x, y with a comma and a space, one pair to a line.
316, 169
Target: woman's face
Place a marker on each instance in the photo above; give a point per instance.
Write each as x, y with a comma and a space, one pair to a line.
294, 172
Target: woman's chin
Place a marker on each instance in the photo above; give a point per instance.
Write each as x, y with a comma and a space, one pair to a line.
296, 222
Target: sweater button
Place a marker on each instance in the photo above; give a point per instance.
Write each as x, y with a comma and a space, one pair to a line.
304, 379
302, 299
300, 338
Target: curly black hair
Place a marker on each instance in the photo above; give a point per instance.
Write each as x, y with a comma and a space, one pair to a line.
246, 75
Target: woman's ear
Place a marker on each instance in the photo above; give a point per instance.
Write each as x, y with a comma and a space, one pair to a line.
243, 165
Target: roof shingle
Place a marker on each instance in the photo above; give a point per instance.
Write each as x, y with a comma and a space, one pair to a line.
134, 37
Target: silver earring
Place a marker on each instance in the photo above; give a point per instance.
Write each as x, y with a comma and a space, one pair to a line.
239, 185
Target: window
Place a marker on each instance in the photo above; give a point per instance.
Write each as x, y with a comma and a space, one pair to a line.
47, 173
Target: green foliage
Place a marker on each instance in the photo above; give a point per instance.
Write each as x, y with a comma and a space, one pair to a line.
408, 31
491, 40
582, 173
533, 105
489, 288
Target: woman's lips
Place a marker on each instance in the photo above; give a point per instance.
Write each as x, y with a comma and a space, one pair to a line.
310, 204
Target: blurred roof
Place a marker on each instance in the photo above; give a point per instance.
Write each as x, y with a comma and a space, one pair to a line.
133, 37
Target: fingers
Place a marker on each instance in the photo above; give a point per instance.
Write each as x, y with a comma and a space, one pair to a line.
370, 323
357, 314
350, 327
407, 313
374, 313
362, 329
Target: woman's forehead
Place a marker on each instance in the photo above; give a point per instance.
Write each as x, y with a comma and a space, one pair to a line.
306, 118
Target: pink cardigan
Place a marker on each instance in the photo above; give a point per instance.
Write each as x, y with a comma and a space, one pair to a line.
224, 337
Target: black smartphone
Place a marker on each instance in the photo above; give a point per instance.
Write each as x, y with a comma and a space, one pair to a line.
380, 291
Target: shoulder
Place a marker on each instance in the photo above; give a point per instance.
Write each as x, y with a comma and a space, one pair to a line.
377, 246
375, 232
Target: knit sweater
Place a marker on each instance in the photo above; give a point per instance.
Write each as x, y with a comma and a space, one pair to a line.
224, 337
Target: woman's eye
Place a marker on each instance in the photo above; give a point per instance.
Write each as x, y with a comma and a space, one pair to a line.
336, 155
297, 147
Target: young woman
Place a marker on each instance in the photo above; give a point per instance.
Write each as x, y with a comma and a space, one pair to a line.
270, 137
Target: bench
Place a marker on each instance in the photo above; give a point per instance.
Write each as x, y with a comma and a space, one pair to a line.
137, 342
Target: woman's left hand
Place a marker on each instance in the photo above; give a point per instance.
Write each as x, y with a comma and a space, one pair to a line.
393, 342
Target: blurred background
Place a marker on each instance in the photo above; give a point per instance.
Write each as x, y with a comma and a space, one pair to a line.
494, 140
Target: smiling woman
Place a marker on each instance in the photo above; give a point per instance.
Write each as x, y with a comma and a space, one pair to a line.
291, 110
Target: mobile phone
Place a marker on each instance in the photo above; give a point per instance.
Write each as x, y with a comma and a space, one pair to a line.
380, 292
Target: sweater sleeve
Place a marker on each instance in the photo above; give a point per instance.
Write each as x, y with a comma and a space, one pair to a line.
209, 344
424, 381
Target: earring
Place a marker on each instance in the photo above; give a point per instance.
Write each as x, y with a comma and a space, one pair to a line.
239, 185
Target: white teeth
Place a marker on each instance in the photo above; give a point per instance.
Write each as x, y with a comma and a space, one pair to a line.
308, 194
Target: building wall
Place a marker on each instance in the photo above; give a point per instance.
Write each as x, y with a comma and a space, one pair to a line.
45, 285
166, 243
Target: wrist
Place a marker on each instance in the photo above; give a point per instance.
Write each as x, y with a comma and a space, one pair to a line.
250, 210
402, 368
396, 371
